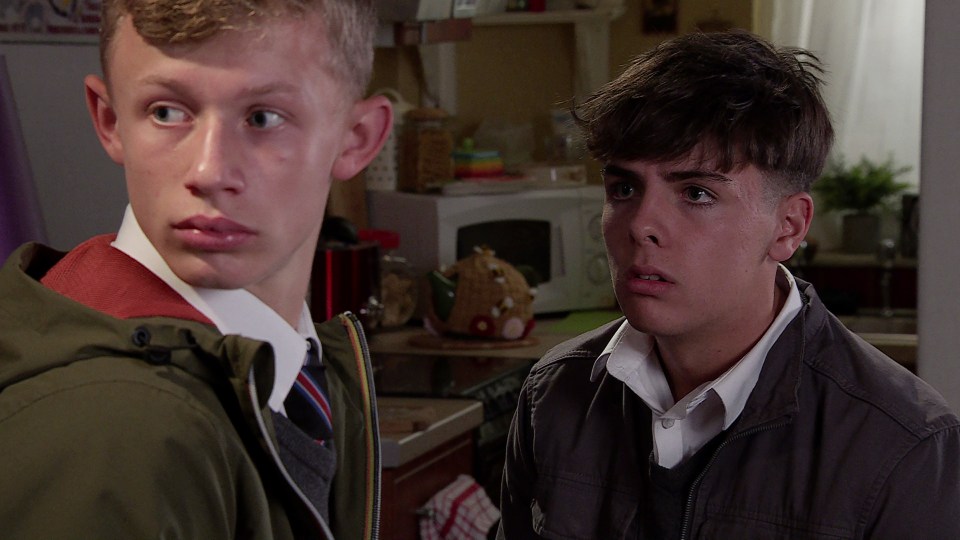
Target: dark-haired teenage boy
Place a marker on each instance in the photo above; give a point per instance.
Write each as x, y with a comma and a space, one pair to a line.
729, 403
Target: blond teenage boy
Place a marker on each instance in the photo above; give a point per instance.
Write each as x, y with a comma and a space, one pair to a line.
146, 377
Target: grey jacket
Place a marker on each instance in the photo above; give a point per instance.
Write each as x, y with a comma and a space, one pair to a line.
158, 427
835, 441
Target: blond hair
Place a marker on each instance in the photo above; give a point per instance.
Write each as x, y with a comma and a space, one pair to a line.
349, 24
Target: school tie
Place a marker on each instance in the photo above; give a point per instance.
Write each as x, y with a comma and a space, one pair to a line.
307, 404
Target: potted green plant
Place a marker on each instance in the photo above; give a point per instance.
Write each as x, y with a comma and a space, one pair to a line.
859, 192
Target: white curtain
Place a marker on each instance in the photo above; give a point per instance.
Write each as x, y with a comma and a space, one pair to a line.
873, 53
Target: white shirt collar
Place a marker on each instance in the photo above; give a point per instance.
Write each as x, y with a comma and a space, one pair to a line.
234, 311
629, 357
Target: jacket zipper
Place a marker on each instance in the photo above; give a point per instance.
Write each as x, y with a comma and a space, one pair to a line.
375, 433
374, 429
274, 453
692, 495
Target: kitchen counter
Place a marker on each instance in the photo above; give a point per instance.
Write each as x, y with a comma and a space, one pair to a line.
419, 463
398, 342
411, 427
426, 444
896, 336
548, 332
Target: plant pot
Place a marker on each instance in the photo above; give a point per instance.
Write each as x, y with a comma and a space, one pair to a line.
861, 233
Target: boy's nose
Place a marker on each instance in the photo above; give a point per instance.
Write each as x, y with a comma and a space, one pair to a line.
648, 222
215, 160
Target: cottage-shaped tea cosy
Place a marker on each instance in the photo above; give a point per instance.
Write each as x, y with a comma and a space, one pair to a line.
480, 296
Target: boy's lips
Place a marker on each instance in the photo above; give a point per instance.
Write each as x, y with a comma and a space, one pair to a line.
648, 272
212, 233
647, 281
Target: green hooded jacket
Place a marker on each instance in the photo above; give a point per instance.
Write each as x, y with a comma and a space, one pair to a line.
159, 427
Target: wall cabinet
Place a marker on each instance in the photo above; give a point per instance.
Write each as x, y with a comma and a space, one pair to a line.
592, 31
438, 55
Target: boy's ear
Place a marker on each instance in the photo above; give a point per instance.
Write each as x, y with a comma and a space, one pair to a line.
104, 116
794, 215
372, 120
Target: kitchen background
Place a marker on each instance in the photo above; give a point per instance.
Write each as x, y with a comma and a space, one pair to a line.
517, 71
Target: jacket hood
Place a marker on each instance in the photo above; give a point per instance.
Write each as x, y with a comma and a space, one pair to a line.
41, 329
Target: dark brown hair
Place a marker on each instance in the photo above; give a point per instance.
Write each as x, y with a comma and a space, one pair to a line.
350, 26
732, 94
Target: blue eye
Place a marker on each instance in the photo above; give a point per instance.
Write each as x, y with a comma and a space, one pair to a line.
264, 119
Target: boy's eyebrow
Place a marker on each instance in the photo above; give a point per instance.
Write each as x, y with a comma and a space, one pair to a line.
713, 176
671, 176
266, 89
159, 80
618, 171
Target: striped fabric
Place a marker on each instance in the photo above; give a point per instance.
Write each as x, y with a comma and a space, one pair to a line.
307, 403
460, 511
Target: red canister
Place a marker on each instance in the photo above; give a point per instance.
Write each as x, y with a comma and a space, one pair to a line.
346, 278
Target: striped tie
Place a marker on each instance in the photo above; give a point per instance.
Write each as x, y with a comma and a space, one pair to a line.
307, 404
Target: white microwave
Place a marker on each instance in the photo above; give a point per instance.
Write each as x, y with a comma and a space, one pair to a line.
554, 233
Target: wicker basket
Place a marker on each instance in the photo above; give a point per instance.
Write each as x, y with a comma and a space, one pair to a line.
493, 299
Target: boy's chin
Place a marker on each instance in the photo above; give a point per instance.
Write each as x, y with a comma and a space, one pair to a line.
202, 274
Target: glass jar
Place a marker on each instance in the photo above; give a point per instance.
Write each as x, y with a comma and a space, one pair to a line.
426, 148
398, 282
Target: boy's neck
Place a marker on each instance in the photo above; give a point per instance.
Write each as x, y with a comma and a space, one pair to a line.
689, 361
289, 307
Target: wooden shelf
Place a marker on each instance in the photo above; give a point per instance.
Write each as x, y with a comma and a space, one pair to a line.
571, 16
423, 32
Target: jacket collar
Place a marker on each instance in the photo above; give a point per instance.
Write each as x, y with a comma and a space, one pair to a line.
776, 393
233, 311
32, 312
